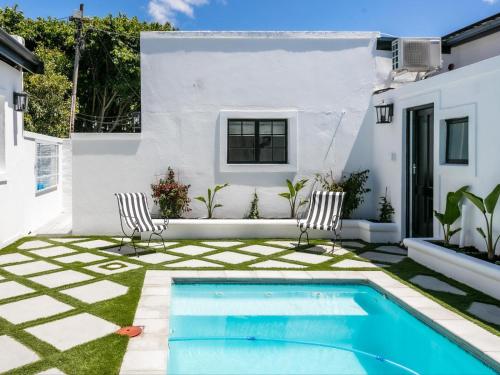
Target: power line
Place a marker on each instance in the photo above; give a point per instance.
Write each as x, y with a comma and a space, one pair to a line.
99, 117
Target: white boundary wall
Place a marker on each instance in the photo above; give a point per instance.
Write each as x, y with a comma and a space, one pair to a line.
22, 210
192, 81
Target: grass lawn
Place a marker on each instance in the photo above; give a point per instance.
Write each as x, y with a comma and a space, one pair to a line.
104, 355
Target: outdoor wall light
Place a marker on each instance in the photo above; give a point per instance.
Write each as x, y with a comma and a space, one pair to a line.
384, 113
20, 101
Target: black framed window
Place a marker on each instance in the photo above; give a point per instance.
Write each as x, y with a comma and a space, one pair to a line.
457, 141
257, 141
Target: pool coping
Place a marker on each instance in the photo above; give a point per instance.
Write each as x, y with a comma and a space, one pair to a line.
147, 354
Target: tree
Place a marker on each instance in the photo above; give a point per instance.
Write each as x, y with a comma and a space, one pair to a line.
109, 77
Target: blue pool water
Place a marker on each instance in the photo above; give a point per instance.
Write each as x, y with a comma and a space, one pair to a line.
304, 329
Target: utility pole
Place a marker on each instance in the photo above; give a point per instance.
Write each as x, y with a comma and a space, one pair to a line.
78, 18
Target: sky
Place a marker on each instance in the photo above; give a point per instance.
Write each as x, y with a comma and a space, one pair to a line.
392, 17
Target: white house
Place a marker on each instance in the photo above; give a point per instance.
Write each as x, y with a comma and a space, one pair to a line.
30, 186
207, 97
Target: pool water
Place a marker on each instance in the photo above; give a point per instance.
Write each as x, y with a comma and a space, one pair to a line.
304, 329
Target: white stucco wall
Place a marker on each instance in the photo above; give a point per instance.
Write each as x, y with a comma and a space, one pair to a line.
322, 82
21, 209
471, 91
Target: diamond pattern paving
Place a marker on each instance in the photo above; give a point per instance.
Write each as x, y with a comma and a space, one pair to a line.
380, 257
157, 258
290, 244
110, 268
31, 268
80, 258
263, 250
125, 250
57, 279
191, 250
193, 263
485, 311
432, 283
222, 243
95, 244
96, 292
32, 308
351, 263
392, 250
13, 258
52, 251
231, 257
52, 371
18, 354
157, 245
306, 258
11, 289
66, 333
275, 264
352, 244
36, 244
67, 240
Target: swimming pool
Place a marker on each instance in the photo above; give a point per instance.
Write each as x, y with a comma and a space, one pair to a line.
304, 329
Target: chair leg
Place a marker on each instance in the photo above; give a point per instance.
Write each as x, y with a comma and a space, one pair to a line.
161, 238
149, 241
121, 244
302, 232
133, 243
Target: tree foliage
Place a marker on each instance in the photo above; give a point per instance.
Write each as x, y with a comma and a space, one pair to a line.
109, 75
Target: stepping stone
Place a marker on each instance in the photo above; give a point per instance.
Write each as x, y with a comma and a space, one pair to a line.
52, 251
13, 258
351, 263
432, 283
2, 278
33, 245
381, 257
81, 258
32, 309
31, 268
52, 371
11, 289
18, 354
156, 258
289, 244
67, 333
263, 250
275, 264
193, 263
392, 250
125, 250
56, 279
157, 245
353, 244
125, 239
67, 240
110, 268
306, 258
322, 249
97, 292
222, 243
231, 257
191, 250
486, 312
95, 244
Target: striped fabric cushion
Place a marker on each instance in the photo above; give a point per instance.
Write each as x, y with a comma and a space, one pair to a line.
325, 210
134, 209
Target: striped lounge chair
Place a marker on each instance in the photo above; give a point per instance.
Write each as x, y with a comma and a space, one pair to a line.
324, 213
134, 212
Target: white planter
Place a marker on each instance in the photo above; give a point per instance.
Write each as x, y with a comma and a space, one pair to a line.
273, 228
476, 273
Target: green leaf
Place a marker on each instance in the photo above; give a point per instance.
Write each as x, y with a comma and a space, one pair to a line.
491, 200
284, 195
209, 193
217, 205
477, 201
454, 231
201, 199
481, 232
439, 217
291, 189
219, 187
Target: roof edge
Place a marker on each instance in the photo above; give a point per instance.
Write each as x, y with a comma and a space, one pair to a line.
15, 54
261, 34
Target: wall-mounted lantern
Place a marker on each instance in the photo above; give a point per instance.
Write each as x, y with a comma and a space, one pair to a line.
20, 101
385, 113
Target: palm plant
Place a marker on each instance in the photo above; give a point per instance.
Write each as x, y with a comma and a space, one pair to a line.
209, 201
293, 196
451, 213
487, 208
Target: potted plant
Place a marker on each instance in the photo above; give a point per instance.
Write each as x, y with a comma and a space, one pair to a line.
171, 196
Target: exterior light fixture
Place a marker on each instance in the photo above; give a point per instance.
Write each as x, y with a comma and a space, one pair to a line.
385, 113
20, 101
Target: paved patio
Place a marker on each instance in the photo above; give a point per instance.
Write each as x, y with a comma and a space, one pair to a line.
61, 299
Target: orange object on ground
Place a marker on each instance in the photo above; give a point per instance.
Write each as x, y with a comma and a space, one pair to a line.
131, 331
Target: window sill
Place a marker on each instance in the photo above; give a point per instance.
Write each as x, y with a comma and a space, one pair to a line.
45, 191
258, 168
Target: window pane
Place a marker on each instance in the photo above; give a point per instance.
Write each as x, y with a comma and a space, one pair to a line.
47, 168
235, 127
266, 155
241, 155
265, 127
457, 141
279, 127
279, 155
279, 141
265, 142
249, 127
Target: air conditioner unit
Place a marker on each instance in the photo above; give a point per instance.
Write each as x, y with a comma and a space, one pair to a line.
416, 54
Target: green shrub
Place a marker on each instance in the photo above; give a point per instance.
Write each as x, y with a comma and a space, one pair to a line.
386, 211
254, 207
171, 196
